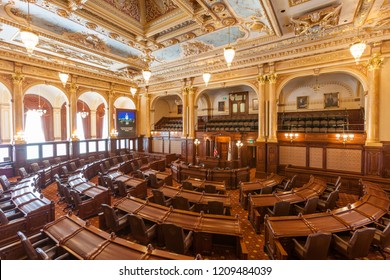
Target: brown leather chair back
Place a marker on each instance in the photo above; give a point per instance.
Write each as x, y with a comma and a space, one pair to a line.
359, 244
110, 217
154, 182
72, 166
102, 168
82, 162
124, 157
101, 156
311, 205
107, 164
215, 207
34, 167
27, 246
46, 163
187, 186
266, 190
67, 196
158, 197
64, 170
3, 218
110, 184
114, 161
57, 160
179, 202
22, 172
76, 198
332, 200
281, 208
5, 183
317, 246
210, 189
175, 239
138, 229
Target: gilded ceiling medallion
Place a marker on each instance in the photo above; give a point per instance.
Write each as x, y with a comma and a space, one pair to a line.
91, 41
91, 25
218, 7
189, 36
62, 13
208, 28
229, 21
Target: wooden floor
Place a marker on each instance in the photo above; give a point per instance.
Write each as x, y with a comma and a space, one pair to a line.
253, 241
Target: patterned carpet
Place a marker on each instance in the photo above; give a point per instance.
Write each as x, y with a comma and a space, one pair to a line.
254, 242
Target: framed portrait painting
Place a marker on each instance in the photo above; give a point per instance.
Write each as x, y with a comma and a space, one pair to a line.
255, 104
221, 106
331, 100
302, 102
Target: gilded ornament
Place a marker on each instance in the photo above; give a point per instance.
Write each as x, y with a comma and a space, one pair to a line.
91, 25
218, 7
229, 21
62, 13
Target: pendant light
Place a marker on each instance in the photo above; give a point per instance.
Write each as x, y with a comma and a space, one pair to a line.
28, 37
206, 78
229, 52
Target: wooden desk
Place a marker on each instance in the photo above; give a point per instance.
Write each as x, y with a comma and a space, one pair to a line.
200, 199
279, 230
208, 229
138, 187
87, 242
259, 203
166, 177
252, 187
199, 184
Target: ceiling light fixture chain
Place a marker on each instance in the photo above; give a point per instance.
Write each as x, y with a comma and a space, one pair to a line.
29, 38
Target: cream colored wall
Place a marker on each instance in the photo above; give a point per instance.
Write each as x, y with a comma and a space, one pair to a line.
384, 112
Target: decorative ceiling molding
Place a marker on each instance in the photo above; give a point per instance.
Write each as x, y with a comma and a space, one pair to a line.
293, 3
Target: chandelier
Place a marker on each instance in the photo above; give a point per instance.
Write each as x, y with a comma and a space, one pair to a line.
357, 49
291, 136
83, 113
40, 110
146, 74
344, 138
28, 37
133, 91
229, 52
206, 78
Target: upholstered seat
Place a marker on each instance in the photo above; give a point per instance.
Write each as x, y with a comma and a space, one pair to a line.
281, 208
210, 189
266, 190
187, 186
175, 240
179, 202
34, 167
382, 239
159, 198
315, 247
113, 221
215, 207
139, 230
22, 172
356, 246
29, 248
330, 202
110, 184
310, 206
154, 182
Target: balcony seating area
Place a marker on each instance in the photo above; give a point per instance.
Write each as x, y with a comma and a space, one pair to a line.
242, 124
169, 124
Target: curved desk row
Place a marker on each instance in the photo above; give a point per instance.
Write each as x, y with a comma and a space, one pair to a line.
84, 242
231, 177
247, 188
25, 210
259, 203
279, 230
208, 229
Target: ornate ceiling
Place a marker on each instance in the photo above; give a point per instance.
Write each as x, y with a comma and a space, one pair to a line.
183, 37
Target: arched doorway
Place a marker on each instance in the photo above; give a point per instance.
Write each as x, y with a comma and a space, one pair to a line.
5, 116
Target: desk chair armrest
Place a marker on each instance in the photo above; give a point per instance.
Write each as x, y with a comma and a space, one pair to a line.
189, 236
339, 239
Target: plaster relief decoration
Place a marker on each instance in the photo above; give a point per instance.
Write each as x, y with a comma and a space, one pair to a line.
128, 7
293, 3
155, 9
74, 5
91, 41
316, 22
195, 48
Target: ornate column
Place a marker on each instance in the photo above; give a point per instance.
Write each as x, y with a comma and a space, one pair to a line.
147, 111
261, 130
374, 66
73, 108
111, 111
184, 112
273, 117
191, 114
17, 105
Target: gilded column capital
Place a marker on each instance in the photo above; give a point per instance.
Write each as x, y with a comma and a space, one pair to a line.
272, 78
73, 87
17, 78
261, 79
375, 62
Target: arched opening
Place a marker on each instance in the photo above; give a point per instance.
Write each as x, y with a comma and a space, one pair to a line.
167, 113
47, 124
5, 116
92, 118
325, 103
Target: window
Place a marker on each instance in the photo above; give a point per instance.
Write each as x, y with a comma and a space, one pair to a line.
238, 103
80, 127
61, 149
102, 146
33, 131
92, 147
47, 151
131, 145
83, 147
32, 152
4, 153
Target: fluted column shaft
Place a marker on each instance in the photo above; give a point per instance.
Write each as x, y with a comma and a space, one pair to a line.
261, 111
273, 117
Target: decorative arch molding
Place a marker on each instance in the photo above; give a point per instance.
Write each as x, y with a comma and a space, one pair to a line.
133, 99
7, 82
38, 83
155, 98
284, 80
102, 93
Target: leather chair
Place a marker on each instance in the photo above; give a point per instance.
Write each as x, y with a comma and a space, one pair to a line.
102, 169
281, 208
101, 156
34, 167
22, 172
114, 161
266, 190
215, 208
159, 198
42, 255
175, 240
91, 159
5, 183
310, 206
356, 246
330, 203
72, 166
113, 221
3, 218
139, 230
46, 163
110, 184
315, 248
60, 190
154, 182
382, 239
179, 202
284, 186
67, 198
78, 200
57, 160
210, 189
107, 164
29, 248
82, 162
187, 186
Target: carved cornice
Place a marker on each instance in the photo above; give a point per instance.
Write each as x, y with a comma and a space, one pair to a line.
375, 62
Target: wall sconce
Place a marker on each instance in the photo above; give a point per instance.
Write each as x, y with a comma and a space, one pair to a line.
239, 145
196, 142
114, 133
344, 138
19, 138
74, 136
291, 136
